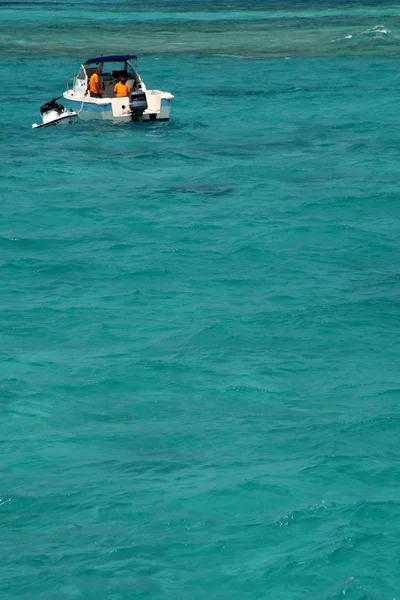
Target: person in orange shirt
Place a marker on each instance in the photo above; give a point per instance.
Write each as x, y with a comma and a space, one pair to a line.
122, 89
94, 84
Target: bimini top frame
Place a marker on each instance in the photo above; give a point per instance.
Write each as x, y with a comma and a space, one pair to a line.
111, 58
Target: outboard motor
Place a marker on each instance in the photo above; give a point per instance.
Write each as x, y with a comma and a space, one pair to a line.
137, 105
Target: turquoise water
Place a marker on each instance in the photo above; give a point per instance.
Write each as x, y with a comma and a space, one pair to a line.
200, 319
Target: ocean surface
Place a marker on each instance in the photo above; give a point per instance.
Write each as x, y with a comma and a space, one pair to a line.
199, 380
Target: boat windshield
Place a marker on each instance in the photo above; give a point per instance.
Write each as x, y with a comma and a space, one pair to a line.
112, 69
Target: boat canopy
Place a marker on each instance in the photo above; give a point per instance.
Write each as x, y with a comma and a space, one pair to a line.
112, 58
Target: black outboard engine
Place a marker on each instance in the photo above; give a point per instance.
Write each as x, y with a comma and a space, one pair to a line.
137, 104
52, 105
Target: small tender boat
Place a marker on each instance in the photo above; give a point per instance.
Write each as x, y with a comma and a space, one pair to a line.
141, 104
55, 114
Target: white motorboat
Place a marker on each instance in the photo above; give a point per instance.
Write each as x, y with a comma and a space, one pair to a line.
55, 114
141, 104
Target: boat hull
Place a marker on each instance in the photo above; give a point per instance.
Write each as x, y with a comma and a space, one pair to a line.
117, 109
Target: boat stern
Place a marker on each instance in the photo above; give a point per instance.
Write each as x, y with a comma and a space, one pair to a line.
158, 105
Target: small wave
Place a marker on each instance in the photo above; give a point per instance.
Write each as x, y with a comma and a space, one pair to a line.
346, 37
213, 189
376, 32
